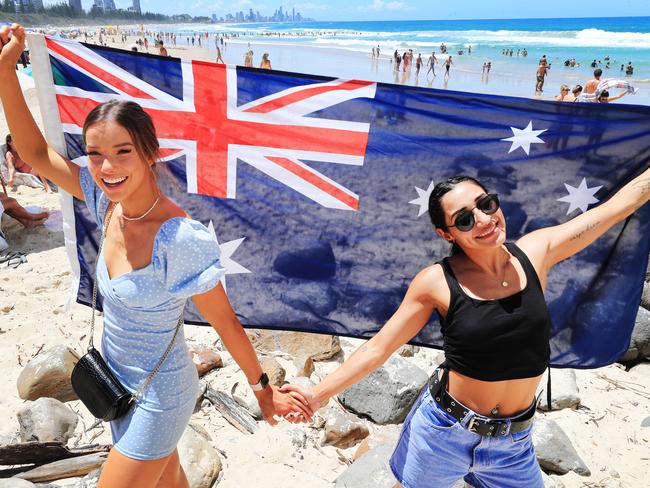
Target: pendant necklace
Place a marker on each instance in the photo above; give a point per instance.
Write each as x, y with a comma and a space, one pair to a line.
504, 283
133, 219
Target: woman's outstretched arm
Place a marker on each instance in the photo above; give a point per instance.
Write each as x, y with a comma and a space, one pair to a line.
562, 241
26, 135
412, 314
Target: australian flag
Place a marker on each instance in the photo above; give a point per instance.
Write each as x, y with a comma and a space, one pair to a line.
317, 188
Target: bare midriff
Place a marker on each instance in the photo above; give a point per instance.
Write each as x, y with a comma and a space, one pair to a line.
509, 396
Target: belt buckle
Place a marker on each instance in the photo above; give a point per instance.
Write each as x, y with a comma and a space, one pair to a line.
470, 426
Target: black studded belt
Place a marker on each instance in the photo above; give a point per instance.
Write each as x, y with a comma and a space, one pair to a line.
478, 424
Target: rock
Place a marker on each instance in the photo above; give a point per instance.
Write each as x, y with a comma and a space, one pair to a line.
389, 434
46, 420
199, 396
551, 482
564, 390
90, 480
408, 351
645, 422
640, 343
554, 450
315, 262
15, 483
342, 429
254, 409
274, 370
6, 439
645, 297
304, 366
370, 471
205, 358
297, 344
387, 394
199, 459
48, 375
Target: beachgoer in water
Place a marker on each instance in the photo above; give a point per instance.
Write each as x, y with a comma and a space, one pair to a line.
629, 69
605, 98
154, 258
591, 85
540, 75
431, 63
418, 64
481, 402
448, 64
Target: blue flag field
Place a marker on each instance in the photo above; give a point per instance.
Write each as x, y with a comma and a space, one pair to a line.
317, 188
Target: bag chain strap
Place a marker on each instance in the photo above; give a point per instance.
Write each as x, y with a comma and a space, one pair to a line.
92, 317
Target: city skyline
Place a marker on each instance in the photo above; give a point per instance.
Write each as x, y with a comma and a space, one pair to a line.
362, 10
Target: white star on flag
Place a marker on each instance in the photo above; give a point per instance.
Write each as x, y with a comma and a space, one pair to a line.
227, 249
423, 199
580, 197
523, 138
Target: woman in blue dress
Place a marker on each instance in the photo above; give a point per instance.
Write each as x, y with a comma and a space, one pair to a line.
154, 258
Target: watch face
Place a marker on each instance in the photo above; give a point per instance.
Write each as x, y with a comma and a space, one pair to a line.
264, 380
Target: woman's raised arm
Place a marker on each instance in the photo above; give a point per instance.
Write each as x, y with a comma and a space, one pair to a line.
26, 135
562, 241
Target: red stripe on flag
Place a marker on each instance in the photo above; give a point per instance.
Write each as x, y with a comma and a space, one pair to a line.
318, 182
96, 71
73, 110
304, 94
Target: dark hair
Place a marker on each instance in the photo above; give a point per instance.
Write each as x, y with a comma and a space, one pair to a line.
577, 89
598, 72
603, 94
136, 121
436, 213
8, 139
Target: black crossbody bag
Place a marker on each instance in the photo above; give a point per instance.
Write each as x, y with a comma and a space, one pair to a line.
94, 383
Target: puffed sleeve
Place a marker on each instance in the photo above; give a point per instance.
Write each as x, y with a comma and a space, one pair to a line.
95, 199
186, 258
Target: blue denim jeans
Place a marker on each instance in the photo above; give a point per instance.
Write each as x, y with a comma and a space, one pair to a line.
435, 451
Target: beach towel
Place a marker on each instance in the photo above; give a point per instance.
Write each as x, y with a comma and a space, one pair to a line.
607, 85
317, 188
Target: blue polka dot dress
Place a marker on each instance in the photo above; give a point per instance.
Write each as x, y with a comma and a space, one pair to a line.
141, 310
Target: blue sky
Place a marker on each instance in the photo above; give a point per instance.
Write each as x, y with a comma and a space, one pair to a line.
405, 9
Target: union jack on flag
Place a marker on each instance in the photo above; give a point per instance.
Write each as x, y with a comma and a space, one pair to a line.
273, 133
274, 163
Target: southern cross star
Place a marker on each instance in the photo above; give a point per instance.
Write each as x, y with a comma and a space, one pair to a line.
227, 249
523, 138
580, 197
423, 199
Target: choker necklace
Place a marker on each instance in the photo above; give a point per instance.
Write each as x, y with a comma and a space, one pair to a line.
133, 219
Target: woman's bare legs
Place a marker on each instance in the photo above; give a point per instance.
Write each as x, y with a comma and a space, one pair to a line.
15, 210
120, 471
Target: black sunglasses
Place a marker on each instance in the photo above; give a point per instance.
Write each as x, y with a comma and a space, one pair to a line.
488, 204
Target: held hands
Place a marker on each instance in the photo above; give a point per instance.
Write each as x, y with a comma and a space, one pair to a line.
306, 395
291, 406
12, 43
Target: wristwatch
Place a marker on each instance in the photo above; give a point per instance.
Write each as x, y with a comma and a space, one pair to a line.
261, 384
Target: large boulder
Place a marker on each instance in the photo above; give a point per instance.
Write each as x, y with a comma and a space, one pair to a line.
16, 483
388, 434
48, 375
640, 342
200, 461
46, 420
645, 298
342, 429
554, 450
273, 370
387, 394
564, 390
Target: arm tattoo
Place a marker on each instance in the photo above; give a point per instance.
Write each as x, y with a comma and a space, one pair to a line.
589, 227
643, 185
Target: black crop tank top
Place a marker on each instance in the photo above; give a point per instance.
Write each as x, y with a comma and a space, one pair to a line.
495, 340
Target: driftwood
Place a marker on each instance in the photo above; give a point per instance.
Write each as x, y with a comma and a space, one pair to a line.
43, 452
65, 468
231, 411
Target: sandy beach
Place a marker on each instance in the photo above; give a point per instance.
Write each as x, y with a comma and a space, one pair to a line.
36, 313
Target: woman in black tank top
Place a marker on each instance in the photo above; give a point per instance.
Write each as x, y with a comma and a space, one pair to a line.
474, 420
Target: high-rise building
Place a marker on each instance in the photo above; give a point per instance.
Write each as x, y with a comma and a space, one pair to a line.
109, 5
75, 5
98, 4
136, 6
37, 4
